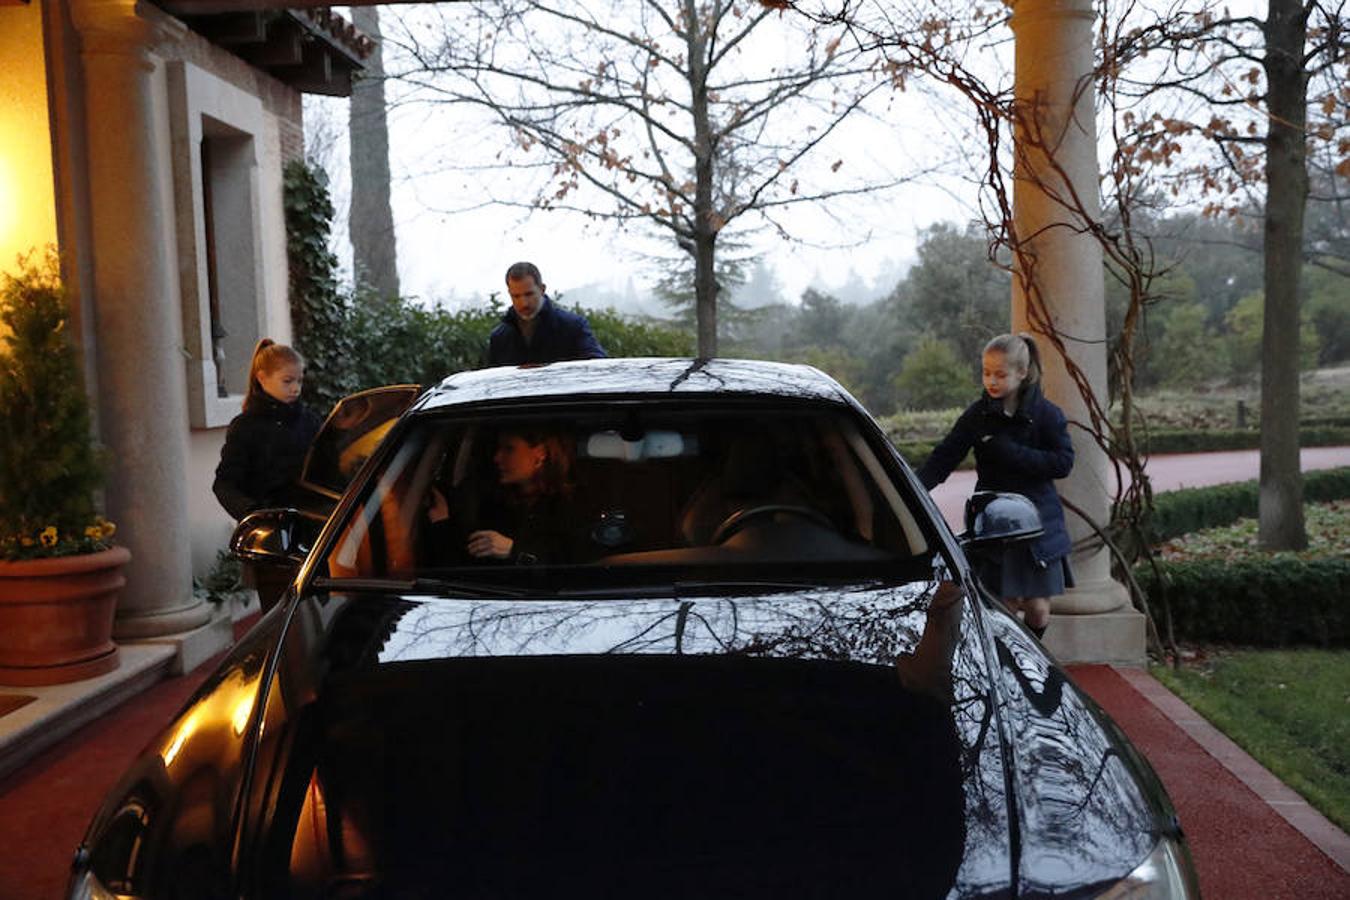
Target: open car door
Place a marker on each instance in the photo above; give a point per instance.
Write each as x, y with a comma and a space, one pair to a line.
350, 434
279, 539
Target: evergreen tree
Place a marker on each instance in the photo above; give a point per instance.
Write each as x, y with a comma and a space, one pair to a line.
50, 467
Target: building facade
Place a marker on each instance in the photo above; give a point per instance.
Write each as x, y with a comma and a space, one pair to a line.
146, 143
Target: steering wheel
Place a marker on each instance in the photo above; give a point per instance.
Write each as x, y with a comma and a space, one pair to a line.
741, 517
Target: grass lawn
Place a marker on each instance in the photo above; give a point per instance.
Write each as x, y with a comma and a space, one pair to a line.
1290, 709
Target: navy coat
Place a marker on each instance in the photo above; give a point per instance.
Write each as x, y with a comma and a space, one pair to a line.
560, 335
264, 451
1023, 453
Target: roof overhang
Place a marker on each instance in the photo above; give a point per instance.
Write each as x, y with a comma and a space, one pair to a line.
313, 50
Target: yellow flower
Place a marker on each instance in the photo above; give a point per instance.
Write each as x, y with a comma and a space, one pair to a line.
107, 529
48, 536
93, 532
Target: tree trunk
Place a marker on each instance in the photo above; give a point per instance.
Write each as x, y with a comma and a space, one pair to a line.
705, 217
1281, 498
371, 222
705, 290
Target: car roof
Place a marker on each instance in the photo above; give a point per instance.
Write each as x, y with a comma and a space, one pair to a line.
635, 376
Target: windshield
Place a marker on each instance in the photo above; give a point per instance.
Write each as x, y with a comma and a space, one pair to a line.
633, 494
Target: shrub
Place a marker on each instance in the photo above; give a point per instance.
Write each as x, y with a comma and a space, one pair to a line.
1210, 440
1189, 354
225, 578
1194, 509
1245, 322
1263, 601
622, 335
402, 342
931, 377
50, 466
921, 425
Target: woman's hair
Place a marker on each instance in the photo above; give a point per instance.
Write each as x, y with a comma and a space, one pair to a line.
1019, 350
268, 356
556, 473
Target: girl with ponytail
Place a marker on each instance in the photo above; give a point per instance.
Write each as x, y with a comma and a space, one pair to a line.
1021, 443
265, 445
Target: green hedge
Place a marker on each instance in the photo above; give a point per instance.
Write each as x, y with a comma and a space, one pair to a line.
1269, 602
916, 452
1195, 509
1324, 421
1209, 440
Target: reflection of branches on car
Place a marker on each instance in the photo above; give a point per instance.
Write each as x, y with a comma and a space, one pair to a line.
1045, 693
1060, 720
871, 629
654, 635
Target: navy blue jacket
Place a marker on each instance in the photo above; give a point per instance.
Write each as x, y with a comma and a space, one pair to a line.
559, 335
1022, 453
264, 451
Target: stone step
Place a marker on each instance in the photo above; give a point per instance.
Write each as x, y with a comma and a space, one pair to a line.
58, 710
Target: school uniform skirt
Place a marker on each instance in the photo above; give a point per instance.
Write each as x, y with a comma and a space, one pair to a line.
1017, 573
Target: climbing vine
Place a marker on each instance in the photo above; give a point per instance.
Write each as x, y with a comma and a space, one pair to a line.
320, 311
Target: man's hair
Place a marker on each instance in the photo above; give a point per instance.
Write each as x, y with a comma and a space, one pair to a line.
524, 270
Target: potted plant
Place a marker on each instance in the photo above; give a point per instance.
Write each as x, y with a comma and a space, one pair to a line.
59, 571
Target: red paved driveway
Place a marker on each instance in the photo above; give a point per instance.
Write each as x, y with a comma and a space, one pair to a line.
1168, 473
1242, 847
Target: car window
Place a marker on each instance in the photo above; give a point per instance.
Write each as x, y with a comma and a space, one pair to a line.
352, 431
612, 495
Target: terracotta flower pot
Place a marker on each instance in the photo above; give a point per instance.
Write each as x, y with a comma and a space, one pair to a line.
56, 617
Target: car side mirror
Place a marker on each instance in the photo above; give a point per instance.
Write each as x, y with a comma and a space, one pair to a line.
994, 518
273, 537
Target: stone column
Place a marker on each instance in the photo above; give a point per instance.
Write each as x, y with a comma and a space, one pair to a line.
1055, 173
142, 397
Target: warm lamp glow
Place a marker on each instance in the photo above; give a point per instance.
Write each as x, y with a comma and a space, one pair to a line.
27, 183
8, 202
180, 737
242, 710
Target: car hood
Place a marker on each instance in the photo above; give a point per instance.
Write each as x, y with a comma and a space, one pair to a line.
840, 742
844, 737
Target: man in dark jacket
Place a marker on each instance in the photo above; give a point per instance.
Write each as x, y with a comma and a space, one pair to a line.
534, 330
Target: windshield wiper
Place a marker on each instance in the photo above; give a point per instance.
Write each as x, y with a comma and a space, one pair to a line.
474, 588
410, 585
780, 584
752, 583
364, 584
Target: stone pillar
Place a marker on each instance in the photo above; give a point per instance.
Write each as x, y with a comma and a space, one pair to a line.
142, 396
1056, 171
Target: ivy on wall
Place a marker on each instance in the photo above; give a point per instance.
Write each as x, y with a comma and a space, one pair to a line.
320, 311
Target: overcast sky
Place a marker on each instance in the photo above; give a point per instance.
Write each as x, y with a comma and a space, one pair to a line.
453, 248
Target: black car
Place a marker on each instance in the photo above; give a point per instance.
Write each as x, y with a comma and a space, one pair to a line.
727, 648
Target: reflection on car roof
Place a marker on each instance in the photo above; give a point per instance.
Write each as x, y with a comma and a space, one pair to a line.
600, 377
